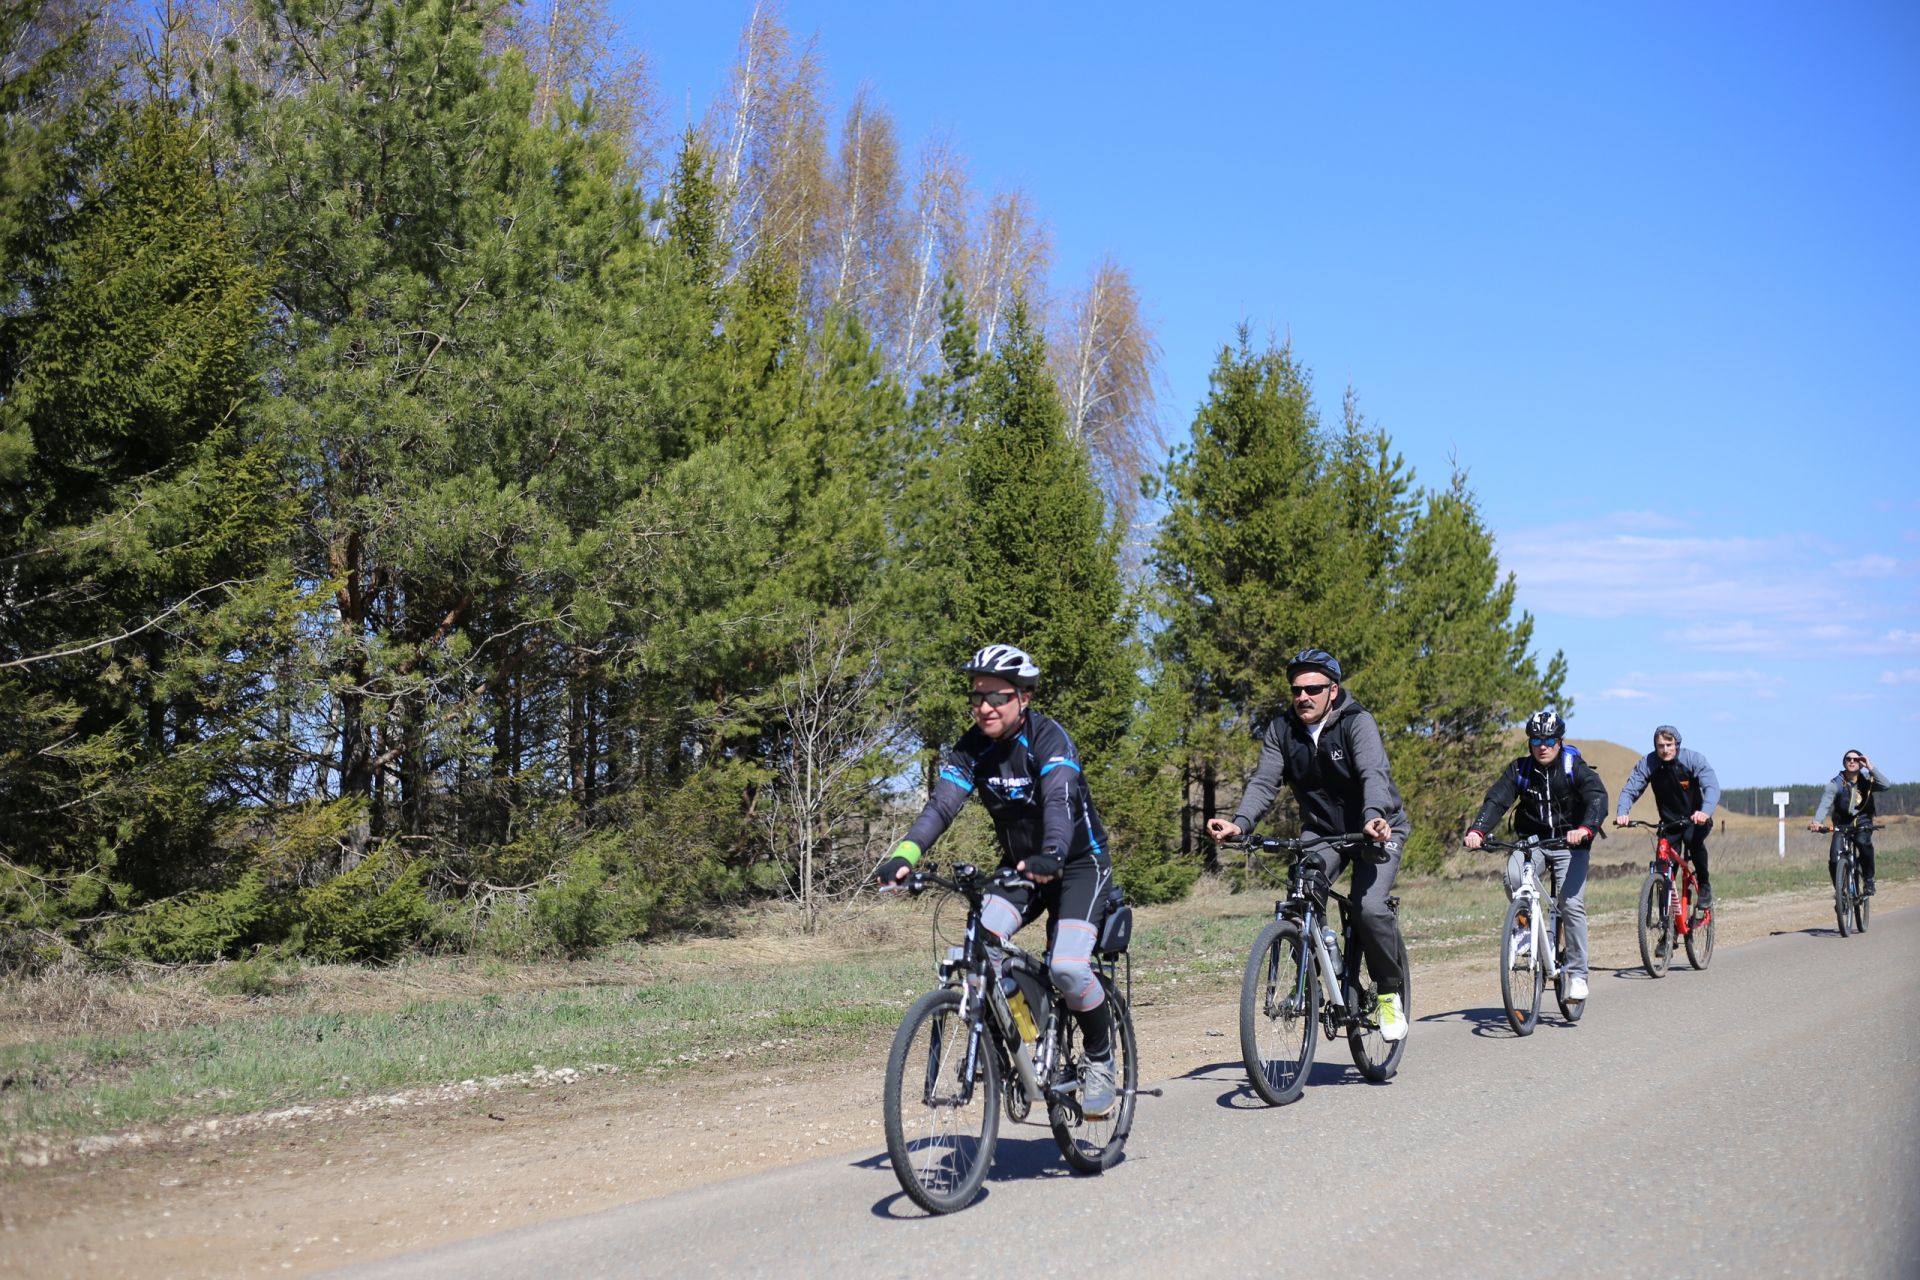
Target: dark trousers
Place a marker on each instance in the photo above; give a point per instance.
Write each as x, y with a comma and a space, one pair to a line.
1374, 924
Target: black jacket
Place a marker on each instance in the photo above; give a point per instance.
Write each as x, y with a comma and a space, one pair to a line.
1547, 799
1032, 786
1339, 782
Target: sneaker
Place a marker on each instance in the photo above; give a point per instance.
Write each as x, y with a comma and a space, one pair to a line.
1096, 1087
1393, 1023
1705, 901
1869, 886
1576, 988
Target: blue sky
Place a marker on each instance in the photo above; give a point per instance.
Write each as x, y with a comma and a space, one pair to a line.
1650, 273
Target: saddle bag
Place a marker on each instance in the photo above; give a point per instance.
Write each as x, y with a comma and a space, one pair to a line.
1116, 926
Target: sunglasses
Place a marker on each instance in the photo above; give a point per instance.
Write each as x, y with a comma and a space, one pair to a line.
1855, 760
1309, 690
1543, 742
998, 698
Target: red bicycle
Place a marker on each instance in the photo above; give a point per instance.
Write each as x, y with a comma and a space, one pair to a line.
1668, 897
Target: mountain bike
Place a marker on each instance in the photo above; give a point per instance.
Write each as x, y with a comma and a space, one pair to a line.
1527, 962
980, 1040
1850, 901
1669, 907
1303, 976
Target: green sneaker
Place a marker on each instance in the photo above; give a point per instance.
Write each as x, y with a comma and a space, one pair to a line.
1393, 1022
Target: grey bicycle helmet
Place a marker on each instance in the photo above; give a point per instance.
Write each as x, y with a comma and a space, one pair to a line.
1003, 660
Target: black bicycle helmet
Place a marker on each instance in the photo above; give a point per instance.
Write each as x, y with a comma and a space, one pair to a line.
1315, 660
1003, 660
1545, 724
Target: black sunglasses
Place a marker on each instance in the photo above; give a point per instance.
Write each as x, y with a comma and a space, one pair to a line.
1542, 742
998, 698
1855, 760
1309, 690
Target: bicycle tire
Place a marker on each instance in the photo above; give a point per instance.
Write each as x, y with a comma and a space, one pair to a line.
1655, 925
1700, 942
1091, 1145
1862, 904
1843, 897
1570, 1009
1279, 1013
1378, 1058
1520, 987
941, 1151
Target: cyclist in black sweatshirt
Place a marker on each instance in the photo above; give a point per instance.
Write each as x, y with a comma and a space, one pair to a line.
1553, 793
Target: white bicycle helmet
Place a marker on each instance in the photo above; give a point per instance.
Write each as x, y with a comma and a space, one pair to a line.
1003, 660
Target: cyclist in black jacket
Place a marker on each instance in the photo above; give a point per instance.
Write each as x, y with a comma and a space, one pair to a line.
1328, 751
1557, 794
1024, 768
1849, 798
1685, 788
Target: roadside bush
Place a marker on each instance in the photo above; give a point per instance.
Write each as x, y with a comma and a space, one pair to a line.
372, 912
198, 927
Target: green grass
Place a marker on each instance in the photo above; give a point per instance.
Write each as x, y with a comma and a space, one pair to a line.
718, 1014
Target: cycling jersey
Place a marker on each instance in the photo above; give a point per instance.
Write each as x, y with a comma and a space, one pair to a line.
1032, 786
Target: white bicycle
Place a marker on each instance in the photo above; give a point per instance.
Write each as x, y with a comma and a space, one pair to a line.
1527, 960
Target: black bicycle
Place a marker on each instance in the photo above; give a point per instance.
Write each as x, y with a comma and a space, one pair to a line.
976, 1042
1851, 905
1527, 960
1304, 976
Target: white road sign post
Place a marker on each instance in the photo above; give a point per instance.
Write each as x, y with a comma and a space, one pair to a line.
1780, 799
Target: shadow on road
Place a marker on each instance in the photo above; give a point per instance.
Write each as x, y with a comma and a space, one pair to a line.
1015, 1159
1242, 1097
1811, 932
1493, 1022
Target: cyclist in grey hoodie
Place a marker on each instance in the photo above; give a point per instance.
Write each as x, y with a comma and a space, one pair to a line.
1686, 789
1849, 798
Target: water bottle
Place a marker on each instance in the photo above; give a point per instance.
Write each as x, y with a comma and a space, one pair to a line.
1022, 1011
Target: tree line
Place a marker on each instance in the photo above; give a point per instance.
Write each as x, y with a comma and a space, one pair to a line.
1803, 799
437, 510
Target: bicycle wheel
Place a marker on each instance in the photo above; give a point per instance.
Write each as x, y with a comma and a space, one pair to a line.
1862, 904
1521, 976
1843, 897
1093, 1144
1279, 1006
940, 1130
1656, 926
1700, 941
1569, 1009
1377, 1057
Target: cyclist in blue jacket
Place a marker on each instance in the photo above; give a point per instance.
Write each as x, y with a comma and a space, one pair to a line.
1025, 769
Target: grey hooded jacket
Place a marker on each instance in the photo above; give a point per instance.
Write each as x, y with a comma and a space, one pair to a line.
1339, 782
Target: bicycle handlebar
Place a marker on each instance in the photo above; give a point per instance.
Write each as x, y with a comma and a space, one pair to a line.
1673, 828
1530, 843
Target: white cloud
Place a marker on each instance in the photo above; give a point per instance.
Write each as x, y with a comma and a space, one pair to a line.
1871, 565
1910, 675
1625, 694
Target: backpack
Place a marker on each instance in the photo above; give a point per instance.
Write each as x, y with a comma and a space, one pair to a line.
1523, 769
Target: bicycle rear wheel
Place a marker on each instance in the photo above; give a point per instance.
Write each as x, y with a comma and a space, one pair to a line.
1279, 1007
1521, 976
1700, 940
1091, 1144
1377, 1057
940, 1129
1570, 1009
1656, 926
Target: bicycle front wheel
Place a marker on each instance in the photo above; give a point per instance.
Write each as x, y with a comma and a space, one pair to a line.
1521, 976
1279, 1005
1656, 926
1700, 940
1843, 890
1570, 1009
1093, 1143
941, 1127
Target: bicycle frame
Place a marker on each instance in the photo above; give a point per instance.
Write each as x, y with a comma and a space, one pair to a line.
1542, 922
1682, 885
1307, 885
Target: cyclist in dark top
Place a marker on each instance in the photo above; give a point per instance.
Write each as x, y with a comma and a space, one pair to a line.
1849, 798
1686, 789
1024, 768
1327, 749
1553, 793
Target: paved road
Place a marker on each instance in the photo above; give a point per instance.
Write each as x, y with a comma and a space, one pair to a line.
1760, 1118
